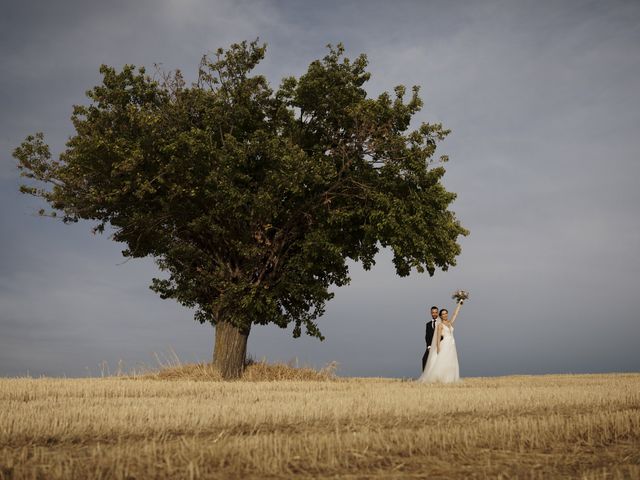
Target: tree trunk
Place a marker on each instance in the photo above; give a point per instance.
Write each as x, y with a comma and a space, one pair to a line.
230, 350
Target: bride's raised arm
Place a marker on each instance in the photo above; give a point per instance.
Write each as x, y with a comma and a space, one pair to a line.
455, 313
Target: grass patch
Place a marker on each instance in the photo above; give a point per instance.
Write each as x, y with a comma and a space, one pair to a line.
254, 372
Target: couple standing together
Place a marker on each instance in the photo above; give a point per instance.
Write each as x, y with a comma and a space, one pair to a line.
440, 361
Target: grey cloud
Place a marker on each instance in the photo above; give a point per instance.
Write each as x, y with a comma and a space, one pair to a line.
542, 100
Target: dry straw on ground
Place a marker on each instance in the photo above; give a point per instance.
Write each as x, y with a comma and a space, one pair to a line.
170, 367
582, 426
254, 372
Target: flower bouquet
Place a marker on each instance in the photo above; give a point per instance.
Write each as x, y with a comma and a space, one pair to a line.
460, 296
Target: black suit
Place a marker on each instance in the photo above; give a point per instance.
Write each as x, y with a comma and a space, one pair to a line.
431, 325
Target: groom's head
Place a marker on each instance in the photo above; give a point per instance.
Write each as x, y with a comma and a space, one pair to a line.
434, 312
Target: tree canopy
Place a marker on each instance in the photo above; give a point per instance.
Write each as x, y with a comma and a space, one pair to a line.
252, 200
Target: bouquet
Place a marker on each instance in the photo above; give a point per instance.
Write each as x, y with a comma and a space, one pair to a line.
460, 296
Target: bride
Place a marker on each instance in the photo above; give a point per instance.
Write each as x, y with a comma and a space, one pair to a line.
442, 363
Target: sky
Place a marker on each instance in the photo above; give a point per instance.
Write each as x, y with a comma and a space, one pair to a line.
543, 100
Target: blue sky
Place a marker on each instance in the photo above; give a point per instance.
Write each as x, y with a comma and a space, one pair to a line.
543, 100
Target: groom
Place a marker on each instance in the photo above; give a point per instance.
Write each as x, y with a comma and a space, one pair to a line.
431, 327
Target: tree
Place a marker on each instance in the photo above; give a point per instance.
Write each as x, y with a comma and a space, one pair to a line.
252, 200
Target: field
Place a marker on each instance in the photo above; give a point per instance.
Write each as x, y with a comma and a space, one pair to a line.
559, 426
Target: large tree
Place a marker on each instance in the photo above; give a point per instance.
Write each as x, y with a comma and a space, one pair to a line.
252, 200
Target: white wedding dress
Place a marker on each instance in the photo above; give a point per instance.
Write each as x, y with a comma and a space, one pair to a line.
442, 367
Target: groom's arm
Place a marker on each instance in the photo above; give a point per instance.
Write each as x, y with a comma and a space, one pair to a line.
429, 335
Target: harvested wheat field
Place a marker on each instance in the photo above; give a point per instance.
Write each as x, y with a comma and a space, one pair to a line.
559, 426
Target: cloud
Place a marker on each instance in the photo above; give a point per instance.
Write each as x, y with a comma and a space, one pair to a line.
543, 106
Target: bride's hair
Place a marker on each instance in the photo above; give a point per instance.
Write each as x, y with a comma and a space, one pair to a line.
443, 310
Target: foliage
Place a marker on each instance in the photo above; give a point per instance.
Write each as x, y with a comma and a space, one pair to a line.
251, 199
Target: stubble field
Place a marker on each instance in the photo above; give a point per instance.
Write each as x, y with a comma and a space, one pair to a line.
571, 426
